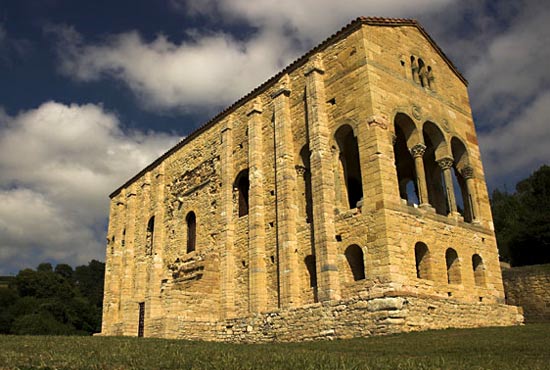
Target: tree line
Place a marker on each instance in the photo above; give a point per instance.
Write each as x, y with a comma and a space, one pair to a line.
49, 301
522, 220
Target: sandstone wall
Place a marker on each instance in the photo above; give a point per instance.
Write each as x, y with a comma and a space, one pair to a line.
529, 287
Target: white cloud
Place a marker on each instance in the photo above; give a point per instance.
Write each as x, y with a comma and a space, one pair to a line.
58, 164
209, 69
214, 68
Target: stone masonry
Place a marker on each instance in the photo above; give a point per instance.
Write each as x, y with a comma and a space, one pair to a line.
343, 197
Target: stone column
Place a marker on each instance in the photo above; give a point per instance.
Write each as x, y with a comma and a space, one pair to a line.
156, 267
468, 174
322, 183
446, 164
127, 291
227, 254
256, 223
287, 204
417, 152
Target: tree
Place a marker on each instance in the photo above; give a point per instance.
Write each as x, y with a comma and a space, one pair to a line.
522, 220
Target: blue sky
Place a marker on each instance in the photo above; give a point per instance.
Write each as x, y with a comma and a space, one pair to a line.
93, 91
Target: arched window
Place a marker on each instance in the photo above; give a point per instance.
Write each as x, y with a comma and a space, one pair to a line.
311, 267
306, 189
422, 258
479, 270
463, 198
149, 236
404, 162
242, 184
354, 256
453, 267
436, 148
349, 161
191, 221
422, 72
414, 69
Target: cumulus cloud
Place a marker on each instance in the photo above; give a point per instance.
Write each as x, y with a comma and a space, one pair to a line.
208, 69
58, 163
213, 68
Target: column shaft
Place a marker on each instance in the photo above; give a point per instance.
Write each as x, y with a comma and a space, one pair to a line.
256, 222
322, 183
287, 211
417, 152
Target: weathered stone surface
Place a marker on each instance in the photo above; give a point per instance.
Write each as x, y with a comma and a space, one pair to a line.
529, 288
304, 224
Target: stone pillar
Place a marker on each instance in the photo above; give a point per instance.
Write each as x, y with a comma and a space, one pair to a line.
256, 223
468, 174
227, 253
287, 204
322, 183
417, 152
110, 297
446, 164
156, 267
127, 291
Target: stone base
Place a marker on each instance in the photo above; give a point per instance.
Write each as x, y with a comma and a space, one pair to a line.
343, 319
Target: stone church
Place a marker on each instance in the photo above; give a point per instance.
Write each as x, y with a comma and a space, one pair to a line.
343, 197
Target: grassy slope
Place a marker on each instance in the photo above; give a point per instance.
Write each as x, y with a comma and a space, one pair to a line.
525, 347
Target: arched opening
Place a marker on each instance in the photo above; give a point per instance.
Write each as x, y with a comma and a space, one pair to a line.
349, 160
479, 270
404, 161
422, 72
354, 256
306, 184
435, 149
311, 267
463, 198
242, 185
453, 267
149, 236
414, 69
422, 258
191, 221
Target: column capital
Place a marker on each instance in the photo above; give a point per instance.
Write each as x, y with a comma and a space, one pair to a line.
300, 170
445, 163
467, 172
418, 150
255, 108
315, 65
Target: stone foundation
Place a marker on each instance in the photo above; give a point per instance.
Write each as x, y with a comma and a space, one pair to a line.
529, 287
390, 314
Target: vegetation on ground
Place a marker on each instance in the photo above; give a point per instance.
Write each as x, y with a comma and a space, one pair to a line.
522, 347
522, 220
59, 301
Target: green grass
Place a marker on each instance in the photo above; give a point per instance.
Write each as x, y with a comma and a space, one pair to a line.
525, 347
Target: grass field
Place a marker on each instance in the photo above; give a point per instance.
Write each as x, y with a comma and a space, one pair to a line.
525, 347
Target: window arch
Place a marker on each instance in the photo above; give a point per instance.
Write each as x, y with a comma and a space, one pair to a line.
436, 148
479, 270
453, 267
464, 198
191, 221
356, 262
405, 132
150, 236
422, 259
242, 185
349, 161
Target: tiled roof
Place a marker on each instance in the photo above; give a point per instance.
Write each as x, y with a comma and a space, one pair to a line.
344, 31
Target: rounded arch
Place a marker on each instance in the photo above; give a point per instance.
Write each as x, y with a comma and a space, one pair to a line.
150, 236
191, 221
453, 266
409, 129
242, 184
422, 260
433, 135
478, 269
349, 162
356, 261
304, 184
459, 153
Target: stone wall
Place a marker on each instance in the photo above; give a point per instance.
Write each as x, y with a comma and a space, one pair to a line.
356, 317
529, 287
